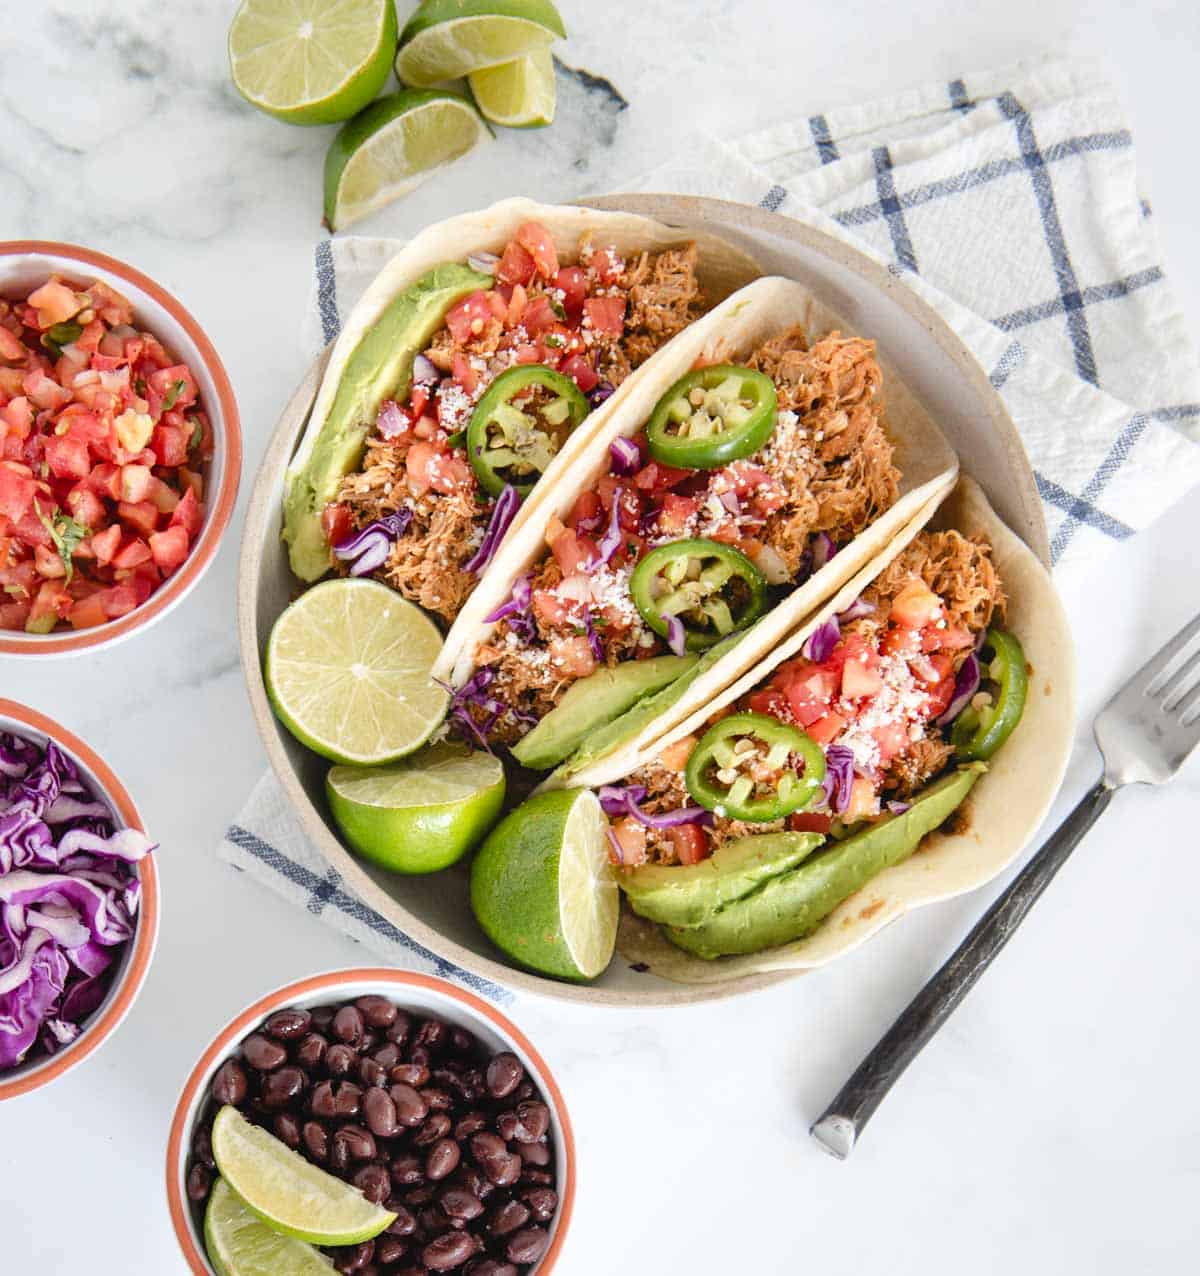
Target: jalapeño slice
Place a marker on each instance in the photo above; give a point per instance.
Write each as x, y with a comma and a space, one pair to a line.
710, 587
978, 733
753, 767
519, 424
713, 416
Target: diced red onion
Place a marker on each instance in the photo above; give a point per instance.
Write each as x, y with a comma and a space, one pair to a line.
600, 393
392, 421
626, 456
856, 611
589, 524
823, 549
819, 645
730, 501
839, 777
898, 808
966, 684
612, 539
503, 513
484, 262
676, 635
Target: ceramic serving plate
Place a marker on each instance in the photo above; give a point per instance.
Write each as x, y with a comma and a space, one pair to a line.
915, 341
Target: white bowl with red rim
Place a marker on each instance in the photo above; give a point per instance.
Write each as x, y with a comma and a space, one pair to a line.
422, 994
24, 266
134, 962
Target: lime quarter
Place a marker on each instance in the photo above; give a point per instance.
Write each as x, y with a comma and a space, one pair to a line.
392, 147
347, 669
311, 61
286, 1191
446, 39
518, 94
239, 1243
421, 814
542, 888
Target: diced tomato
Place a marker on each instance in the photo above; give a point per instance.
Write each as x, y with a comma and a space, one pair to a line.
45, 391
111, 306
607, 264
17, 415
548, 608
950, 638
30, 528
119, 601
55, 303
17, 486
539, 316
14, 612
586, 512
131, 554
810, 822
538, 243
463, 372
897, 640
572, 656
516, 305
106, 543
142, 516
580, 371
89, 339
88, 612
656, 477
827, 729
605, 315
690, 843
860, 680
770, 700
85, 506
675, 756
189, 515
48, 562
915, 606
134, 482
516, 265
192, 481
66, 457
176, 381
675, 513
51, 603
572, 282
809, 693
469, 318
631, 838
170, 444
574, 553
891, 739
529, 354
10, 348
862, 800
169, 548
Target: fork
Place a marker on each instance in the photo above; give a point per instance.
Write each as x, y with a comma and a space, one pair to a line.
1145, 734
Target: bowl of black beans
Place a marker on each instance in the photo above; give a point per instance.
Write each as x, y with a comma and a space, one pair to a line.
413, 1092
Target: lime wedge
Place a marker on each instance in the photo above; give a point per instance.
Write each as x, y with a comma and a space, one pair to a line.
518, 94
421, 814
347, 670
286, 1191
446, 39
239, 1243
392, 147
311, 61
542, 888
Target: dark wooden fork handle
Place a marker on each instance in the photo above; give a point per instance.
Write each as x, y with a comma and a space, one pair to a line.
839, 1127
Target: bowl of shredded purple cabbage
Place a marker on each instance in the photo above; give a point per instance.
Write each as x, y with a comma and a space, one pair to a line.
78, 901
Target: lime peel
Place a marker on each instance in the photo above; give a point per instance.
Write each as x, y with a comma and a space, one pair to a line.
239, 1243
446, 39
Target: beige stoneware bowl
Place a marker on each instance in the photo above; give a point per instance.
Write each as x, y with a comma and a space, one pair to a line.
915, 340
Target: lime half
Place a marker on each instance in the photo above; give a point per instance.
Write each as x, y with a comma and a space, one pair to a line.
446, 39
421, 814
347, 670
311, 61
518, 94
239, 1243
392, 147
286, 1191
542, 888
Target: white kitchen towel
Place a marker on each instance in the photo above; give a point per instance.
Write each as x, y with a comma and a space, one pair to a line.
1009, 200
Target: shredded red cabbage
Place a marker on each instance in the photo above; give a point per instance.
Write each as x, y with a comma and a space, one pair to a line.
618, 853
367, 550
676, 635
611, 541
966, 684
626, 456
600, 393
819, 645
856, 611
839, 777
624, 799
593, 637
898, 808
503, 513
68, 898
516, 610
612, 796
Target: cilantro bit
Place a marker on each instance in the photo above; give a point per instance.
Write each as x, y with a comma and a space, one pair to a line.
173, 395
66, 534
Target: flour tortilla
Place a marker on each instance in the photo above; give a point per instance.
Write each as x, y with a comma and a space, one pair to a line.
1003, 810
927, 464
721, 270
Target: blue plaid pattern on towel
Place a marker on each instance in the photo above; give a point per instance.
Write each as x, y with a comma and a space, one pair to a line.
1009, 200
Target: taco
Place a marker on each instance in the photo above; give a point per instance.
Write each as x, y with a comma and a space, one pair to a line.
763, 459
898, 747
477, 352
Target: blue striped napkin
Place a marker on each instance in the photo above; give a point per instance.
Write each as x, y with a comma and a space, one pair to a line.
1009, 200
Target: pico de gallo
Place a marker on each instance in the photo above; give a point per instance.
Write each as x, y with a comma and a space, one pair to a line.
513, 370
914, 676
745, 481
103, 448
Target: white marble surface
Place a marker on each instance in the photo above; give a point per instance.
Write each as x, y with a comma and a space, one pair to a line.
1051, 1127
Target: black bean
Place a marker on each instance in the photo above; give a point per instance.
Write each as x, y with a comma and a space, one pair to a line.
542, 1202
460, 1205
288, 1025
320, 1100
533, 1121
461, 1041
414, 1269
316, 1141
415, 1197
229, 1084
282, 1087
310, 1053
400, 1030
348, 1025
263, 1053
490, 1267
377, 1011
432, 1222
540, 1177
404, 1223
506, 1170
443, 1159
373, 1182
407, 1170
372, 1073
534, 1154
467, 1125
419, 1055
353, 1258
437, 1099
432, 1034
202, 1149
486, 1147
287, 1129
340, 1060
199, 1182
387, 1056
322, 1017
411, 1108
504, 1074
436, 1126
507, 1218
347, 1099
389, 1249
413, 1074
379, 1112
524, 1091
360, 1143
506, 1125
447, 1252
527, 1245
469, 1177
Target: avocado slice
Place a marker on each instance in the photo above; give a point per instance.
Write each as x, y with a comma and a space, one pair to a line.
379, 367
793, 904
591, 703
692, 894
615, 733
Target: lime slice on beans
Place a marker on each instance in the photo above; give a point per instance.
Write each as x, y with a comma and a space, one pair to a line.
286, 1191
542, 888
420, 814
518, 94
446, 39
311, 61
347, 669
239, 1243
